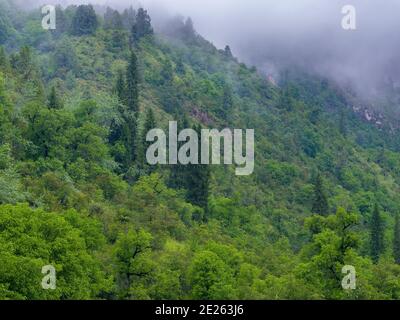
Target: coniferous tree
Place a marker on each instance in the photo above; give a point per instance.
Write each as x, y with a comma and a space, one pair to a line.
142, 26
167, 72
198, 181
227, 103
396, 239
228, 52
84, 21
132, 85
178, 175
188, 31
116, 21
129, 136
62, 22
3, 58
376, 231
117, 128
108, 16
116, 131
180, 67
5, 27
23, 62
320, 205
342, 123
54, 100
149, 124
120, 88
128, 18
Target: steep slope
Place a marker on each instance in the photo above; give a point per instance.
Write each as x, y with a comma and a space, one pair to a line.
144, 233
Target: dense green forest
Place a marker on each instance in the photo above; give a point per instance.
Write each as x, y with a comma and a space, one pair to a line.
77, 193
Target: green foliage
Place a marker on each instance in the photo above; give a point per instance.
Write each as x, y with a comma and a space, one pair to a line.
116, 228
133, 263
31, 239
132, 85
84, 21
210, 277
54, 100
320, 205
142, 26
396, 239
377, 234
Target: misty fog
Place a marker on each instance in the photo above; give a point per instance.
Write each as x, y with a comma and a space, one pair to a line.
276, 33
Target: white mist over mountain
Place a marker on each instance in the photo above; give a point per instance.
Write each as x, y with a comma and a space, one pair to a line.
308, 33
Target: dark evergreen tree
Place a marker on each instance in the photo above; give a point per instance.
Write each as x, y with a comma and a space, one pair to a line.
128, 18
3, 58
167, 72
120, 88
54, 100
129, 136
188, 31
178, 175
198, 181
180, 67
5, 27
377, 233
342, 123
116, 131
84, 21
108, 16
149, 124
23, 63
132, 85
320, 204
113, 20
228, 52
396, 239
142, 26
62, 22
117, 123
227, 103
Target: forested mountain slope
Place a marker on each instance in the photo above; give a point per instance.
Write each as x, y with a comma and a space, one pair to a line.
77, 193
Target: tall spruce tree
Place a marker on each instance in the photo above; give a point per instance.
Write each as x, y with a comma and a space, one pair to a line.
179, 172
228, 52
149, 124
342, 123
3, 58
132, 85
377, 233
320, 205
227, 103
129, 136
120, 88
128, 18
62, 22
142, 26
198, 181
84, 21
396, 239
54, 100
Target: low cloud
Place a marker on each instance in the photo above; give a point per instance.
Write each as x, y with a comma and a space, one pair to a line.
276, 33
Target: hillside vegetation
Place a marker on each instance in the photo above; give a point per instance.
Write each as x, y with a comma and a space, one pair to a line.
77, 193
